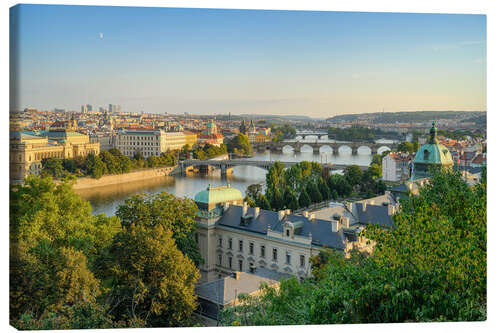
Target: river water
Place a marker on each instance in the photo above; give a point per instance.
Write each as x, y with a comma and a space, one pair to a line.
107, 199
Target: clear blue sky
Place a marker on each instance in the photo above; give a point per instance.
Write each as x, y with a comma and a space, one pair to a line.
275, 62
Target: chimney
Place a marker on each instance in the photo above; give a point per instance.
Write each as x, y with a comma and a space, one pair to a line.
236, 275
306, 214
349, 206
226, 206
391, 209
288, 211
347, 222
245, 207
364, 206
281, 215
335, 226
311, 217
256, 212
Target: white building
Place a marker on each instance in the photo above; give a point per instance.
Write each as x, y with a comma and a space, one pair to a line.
148, 142
234, 237
395, 166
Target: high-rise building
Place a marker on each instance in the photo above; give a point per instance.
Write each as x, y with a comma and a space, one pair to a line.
84, 109
89, 107
112, 108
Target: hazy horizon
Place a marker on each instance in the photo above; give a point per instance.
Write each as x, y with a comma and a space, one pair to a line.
318, 64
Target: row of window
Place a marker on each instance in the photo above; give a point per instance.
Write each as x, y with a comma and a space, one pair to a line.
240, 261
262, 251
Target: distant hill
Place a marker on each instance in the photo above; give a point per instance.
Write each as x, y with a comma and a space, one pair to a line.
478, 117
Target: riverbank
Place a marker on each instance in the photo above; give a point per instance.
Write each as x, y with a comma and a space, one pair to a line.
106, 180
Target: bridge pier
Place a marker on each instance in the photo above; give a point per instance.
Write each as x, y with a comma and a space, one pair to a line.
316, 150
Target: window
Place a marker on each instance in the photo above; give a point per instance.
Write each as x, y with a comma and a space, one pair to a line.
220, 259
251, 248
262, 251
302, 260
240, 246
288, 258
230, 260
275, 254
230, 245
220, 241
240, 264
287, 232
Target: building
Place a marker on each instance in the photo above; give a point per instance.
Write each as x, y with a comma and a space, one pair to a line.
28, 149
396, 166
114, 108
148, 142
216, 295
233, 237
431, 155
258, 135
211, 135
191, 138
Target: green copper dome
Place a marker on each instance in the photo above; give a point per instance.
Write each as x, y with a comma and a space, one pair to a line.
431, 154
214, 195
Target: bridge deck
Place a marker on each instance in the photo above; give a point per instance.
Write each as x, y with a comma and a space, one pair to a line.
261, 164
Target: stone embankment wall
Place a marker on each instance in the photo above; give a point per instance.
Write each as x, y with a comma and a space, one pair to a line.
87, 182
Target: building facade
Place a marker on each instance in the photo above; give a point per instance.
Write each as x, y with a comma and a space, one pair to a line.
396, 167
28, 149
148, 142
234, 237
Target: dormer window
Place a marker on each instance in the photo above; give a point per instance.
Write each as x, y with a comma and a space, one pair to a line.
287, 232
426, 154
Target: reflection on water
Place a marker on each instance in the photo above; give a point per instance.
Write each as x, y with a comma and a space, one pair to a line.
107, 198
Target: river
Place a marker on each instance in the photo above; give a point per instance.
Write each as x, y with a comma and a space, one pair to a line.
107, 199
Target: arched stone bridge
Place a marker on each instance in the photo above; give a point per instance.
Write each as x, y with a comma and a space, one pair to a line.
228, 165
303, 134
317, 145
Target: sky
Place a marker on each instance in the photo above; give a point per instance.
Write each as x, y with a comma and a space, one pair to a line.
207, 61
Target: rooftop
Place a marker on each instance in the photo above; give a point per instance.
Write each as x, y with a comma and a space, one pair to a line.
218, 194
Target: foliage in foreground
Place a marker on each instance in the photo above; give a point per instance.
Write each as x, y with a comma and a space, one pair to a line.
70, 269
432, 267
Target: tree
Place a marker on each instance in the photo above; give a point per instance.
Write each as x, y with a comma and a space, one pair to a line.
339, 184
174, 214
94, 166
304, 199
240, 144
314, 193
353, 174
406, 147
53, 167
291, 201
275, 181
325, 191
430, 267
54, 241
152, 281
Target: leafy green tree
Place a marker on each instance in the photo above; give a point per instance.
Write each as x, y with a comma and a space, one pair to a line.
325, 191
111, 162
291, 201
53, 167
240, 144
262, 202
430, 267
377, 159
304, 199
275, 180
152, 282
174, 214
314, 193
46, 278
340, 185
406, 147
94, 166
353, 174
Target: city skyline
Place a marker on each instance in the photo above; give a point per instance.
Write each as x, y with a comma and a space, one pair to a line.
201, 61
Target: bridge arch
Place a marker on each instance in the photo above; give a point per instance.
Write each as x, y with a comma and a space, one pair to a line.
298, 137
326, 149
345, 149
306, 149
287, 149
381, 149
364, 150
